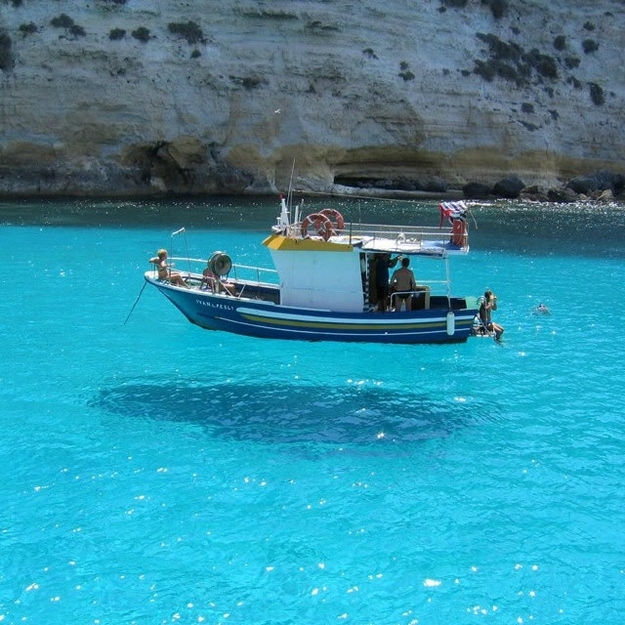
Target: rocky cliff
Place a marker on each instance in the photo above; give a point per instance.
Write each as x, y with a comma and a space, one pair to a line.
132, 97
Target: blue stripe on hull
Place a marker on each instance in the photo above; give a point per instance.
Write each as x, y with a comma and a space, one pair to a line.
397, 336
264, 320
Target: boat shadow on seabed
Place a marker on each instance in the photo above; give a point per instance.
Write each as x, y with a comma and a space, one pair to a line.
275, 414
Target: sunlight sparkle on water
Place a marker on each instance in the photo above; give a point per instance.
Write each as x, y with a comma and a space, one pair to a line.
431, 583
376, 437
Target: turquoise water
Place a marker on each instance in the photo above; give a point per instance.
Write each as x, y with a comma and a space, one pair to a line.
152, 472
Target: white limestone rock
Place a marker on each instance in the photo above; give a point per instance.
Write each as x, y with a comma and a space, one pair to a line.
345, 89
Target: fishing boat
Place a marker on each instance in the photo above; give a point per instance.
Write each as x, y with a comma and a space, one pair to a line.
322, 284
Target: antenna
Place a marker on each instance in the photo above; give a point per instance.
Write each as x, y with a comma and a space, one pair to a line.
289, 195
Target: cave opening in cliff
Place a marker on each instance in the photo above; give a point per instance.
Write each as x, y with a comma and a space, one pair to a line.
392, 183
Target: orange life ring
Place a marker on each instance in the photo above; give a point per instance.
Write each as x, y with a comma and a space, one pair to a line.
335, 217
322, 225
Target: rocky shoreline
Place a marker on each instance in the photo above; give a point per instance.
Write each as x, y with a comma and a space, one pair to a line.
601, 186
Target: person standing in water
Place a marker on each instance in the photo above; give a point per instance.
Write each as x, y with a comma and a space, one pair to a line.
489, 303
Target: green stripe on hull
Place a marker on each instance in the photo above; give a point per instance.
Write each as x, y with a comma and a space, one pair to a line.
326, 325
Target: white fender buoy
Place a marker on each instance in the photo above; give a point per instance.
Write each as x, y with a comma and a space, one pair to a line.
451, 323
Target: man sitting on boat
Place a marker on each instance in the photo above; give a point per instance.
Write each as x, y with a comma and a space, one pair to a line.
403, 285
404, 289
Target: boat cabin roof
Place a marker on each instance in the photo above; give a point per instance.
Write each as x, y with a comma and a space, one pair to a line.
328, 227
373, 238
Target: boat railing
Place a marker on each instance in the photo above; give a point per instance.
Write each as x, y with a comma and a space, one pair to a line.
238, 272
408, 235
260, 275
